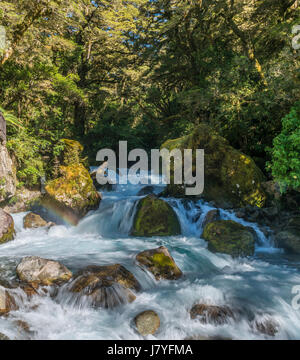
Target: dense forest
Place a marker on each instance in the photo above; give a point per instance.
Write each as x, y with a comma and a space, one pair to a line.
147, 71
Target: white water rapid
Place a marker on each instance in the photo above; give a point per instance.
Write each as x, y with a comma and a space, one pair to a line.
257, 288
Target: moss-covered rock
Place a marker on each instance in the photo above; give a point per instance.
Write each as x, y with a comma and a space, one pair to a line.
38, 271
106, 286
231, 178
160, 263
32, 221
229, 237
147, 323
73, 194
155, 217
289, 237
7, 227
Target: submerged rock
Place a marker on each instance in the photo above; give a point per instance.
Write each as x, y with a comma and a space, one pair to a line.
7, 301
155, 217
37, 271
147, 323
231, 177
32, 221
7, 227
210, 314
160, 263
106, 286
229, 237
73, 194
266, 326
289, 237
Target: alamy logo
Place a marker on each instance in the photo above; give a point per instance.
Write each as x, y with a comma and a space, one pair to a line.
2, 38
296, 39
184, 172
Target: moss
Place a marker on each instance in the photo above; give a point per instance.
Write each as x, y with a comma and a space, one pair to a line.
160, 263
229, 237
155, 217
9, 235
231, 177
74, 190
72, 152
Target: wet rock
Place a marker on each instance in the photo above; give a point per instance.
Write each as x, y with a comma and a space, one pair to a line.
146, 190
32, 221
72, 195
37, 271
106, 286
289, 237
7, 227
267, 327
211, 216
232, 178
7, 301
229, 237
147, 323
160, 263
155, 217
3, 337
209, 314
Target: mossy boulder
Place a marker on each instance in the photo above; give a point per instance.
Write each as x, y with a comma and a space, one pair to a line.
155, 217
231, 177
289, 237
38, 271
73, 194
32, 221
7, 227
106, 286
147, 323
160, 263
229, 237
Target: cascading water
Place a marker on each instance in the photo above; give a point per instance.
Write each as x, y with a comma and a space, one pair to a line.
256, 288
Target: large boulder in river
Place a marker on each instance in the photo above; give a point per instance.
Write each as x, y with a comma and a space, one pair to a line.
7, 227
155, 217
37, 271
229, 237
7, 170
147, 323
7, 302
106, 286
32, 221
73, 194
160, 263
231, 177
289, 237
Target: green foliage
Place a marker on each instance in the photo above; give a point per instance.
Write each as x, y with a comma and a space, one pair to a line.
285, 163
27, 151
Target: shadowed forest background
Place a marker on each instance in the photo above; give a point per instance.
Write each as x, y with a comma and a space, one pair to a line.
147, 71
